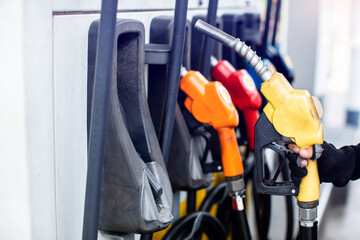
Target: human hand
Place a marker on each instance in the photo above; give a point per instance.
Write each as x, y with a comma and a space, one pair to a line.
305, 153
297, 162
334, 165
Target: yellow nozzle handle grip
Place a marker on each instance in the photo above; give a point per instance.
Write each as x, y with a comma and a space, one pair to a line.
310, 184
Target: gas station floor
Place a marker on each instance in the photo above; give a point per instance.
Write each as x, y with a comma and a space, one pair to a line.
341, 220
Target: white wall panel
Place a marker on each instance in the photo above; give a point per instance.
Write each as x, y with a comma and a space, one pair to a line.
126, 5
27, 199
15, 193
70, 89
39, 110
95, 5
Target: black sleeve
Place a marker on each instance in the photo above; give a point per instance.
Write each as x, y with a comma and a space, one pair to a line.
339, 166
356, 172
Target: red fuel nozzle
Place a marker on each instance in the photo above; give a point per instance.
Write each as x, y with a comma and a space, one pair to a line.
243, 93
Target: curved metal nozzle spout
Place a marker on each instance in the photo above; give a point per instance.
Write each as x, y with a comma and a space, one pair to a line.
235, 44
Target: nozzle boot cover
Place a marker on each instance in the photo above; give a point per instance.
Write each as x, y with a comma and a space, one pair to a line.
186, 150
136, 194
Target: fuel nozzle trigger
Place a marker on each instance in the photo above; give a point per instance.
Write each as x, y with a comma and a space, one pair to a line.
268, 138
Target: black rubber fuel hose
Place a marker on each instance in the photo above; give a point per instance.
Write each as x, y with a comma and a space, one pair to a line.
210, 226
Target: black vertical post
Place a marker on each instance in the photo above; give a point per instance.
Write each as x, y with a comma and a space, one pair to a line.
98, 122
266, 27
207, 47
277, 14
171, 94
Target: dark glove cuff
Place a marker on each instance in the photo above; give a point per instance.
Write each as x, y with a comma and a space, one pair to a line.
317, 151
356, 172
341, 183
336, 165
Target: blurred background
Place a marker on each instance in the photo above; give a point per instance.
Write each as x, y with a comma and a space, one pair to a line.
43, 74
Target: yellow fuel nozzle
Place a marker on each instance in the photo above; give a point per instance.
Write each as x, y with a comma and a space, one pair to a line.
292, 113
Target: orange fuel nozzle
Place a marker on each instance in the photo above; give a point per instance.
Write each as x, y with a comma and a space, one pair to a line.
210, 102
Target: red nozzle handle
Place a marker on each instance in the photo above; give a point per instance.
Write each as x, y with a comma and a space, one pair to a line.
251, 116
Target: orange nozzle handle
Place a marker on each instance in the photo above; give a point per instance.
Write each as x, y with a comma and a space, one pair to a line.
210, 102
230, 155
